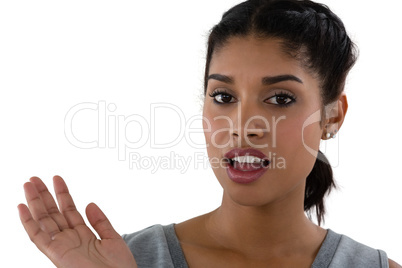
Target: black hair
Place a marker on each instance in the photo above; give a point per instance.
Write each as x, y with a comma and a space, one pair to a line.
309, 32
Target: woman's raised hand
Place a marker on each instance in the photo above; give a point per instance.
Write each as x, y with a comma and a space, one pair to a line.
62, 235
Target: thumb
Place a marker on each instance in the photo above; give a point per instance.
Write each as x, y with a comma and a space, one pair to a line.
100, 223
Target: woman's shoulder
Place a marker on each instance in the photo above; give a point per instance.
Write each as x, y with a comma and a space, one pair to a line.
340, 250
156, 246
159, 246
393, 264
155, 232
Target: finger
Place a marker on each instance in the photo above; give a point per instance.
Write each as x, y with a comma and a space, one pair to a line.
50, 204
35, 233
66, 203
100, 223
38, 211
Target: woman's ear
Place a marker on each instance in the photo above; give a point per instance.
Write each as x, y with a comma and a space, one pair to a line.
335, 115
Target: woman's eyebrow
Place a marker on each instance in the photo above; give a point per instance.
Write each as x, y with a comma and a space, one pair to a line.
267, 80
222, 78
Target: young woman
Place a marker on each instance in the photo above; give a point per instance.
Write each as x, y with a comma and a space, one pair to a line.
274, 79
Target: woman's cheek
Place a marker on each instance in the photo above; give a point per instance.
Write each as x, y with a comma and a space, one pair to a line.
294, 143
217, 131
208, 126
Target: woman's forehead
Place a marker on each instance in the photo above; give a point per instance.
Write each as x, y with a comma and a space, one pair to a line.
250, 56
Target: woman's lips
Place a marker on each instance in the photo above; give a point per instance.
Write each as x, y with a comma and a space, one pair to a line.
243, 152
245, 173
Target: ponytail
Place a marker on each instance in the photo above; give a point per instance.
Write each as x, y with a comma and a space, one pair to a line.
319, 182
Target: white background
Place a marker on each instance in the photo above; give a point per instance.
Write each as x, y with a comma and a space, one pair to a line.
57, 54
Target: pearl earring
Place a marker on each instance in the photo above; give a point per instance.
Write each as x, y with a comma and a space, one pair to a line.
331, 135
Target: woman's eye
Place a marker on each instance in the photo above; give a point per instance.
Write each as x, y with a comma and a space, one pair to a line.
281, 99
222, 97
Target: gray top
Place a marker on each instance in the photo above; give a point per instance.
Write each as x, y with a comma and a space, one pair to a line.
158, 246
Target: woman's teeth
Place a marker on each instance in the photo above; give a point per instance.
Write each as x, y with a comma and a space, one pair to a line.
247, 160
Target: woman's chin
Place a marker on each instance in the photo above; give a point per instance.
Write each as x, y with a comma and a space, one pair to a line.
248, 197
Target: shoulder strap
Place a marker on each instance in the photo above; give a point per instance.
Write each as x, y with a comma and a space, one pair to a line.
342, 251
327, 250
175, 249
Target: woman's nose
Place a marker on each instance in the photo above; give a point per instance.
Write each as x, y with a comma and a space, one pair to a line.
247, 132
249, 125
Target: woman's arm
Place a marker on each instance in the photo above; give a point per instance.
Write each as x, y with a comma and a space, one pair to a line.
61, 233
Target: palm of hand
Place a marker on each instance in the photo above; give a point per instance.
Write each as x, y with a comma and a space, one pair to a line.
80, 248
63, 236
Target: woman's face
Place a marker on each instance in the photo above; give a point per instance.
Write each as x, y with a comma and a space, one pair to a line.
258, 97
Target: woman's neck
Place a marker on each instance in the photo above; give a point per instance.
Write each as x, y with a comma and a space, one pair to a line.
280, 228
